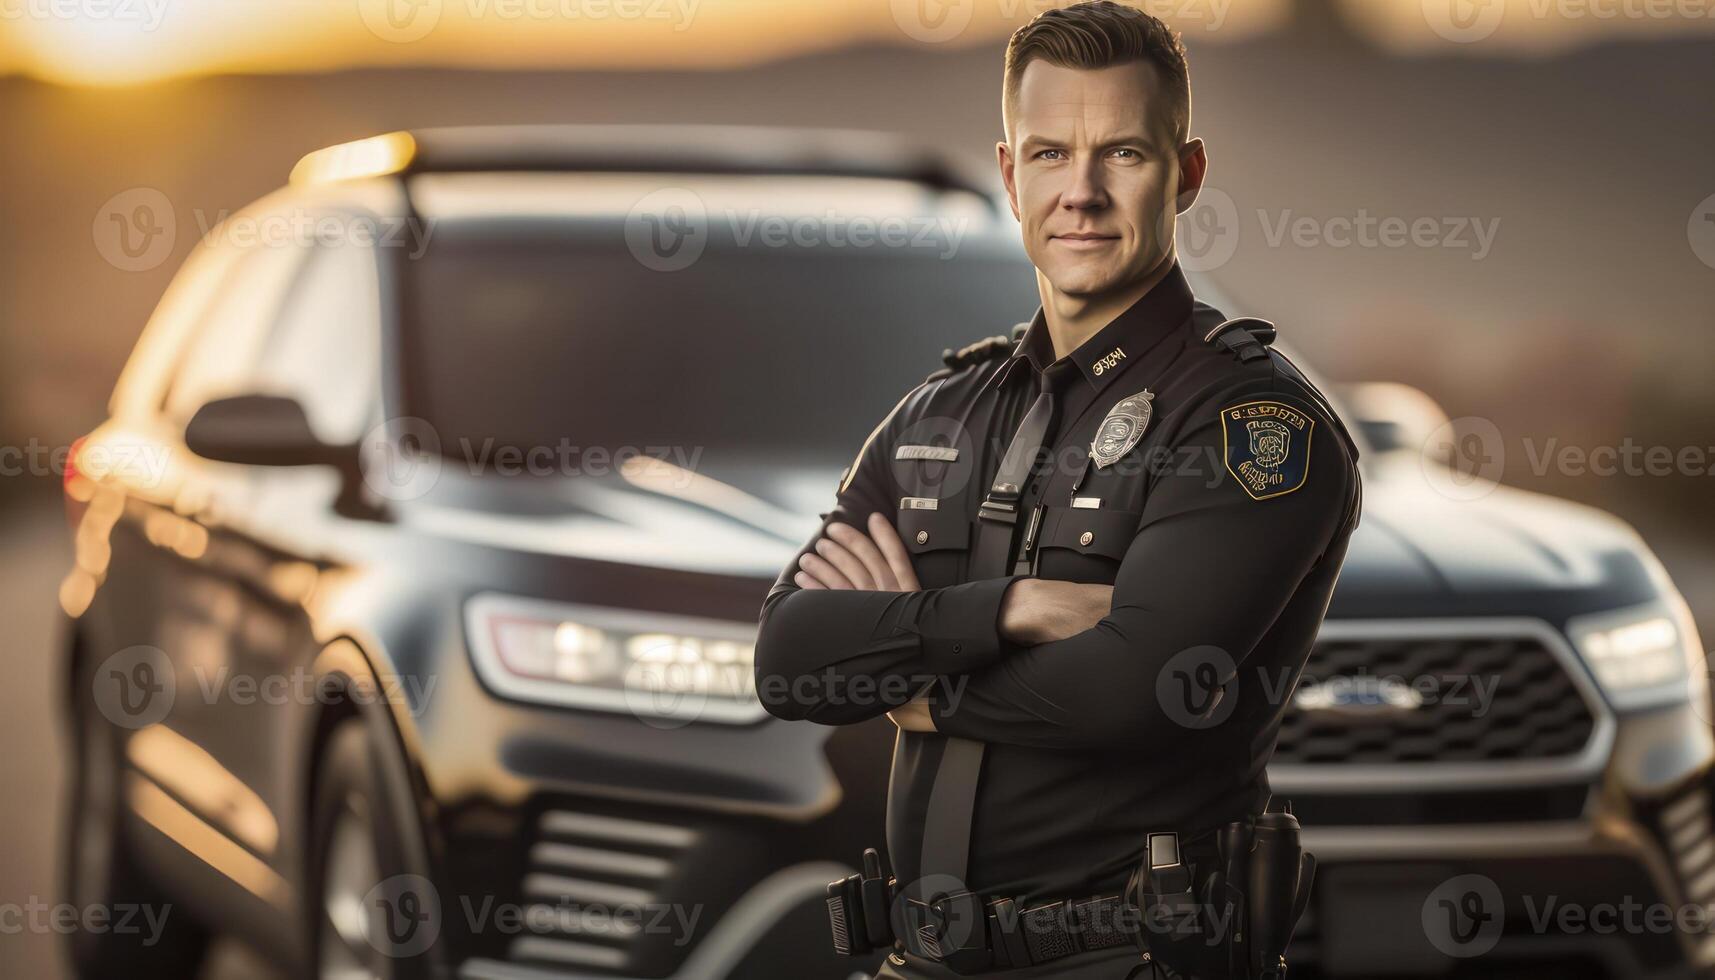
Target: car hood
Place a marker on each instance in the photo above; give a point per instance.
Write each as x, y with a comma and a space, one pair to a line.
1426, 540
1419, 549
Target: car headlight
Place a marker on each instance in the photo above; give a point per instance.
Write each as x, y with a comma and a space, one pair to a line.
655, 666
1644, 656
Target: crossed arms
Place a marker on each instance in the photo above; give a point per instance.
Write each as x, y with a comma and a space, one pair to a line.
847, 634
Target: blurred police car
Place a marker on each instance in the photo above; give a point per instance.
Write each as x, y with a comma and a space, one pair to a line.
418, 566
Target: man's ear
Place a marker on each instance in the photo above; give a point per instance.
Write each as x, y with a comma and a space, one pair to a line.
1193, 167
1003, 158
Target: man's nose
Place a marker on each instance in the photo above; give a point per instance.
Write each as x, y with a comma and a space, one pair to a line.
1087, 189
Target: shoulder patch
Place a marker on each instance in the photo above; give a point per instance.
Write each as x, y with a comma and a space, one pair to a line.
1267, 446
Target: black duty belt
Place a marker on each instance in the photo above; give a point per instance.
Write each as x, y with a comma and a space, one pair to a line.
1017, 936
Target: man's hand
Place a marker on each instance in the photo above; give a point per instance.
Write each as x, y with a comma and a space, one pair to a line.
1038, 610
846, 558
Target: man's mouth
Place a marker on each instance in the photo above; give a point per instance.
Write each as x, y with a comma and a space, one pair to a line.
1084, 239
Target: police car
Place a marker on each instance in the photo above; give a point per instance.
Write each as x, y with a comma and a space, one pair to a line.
419, 560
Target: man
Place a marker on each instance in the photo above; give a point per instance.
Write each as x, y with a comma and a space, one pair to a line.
1080, 568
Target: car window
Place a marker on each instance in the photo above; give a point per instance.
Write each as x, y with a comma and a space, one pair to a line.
223, 355
325, 349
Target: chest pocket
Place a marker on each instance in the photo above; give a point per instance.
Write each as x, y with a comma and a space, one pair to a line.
938, 541
1078, 544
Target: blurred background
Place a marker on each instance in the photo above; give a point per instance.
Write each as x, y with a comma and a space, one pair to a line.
1553, 160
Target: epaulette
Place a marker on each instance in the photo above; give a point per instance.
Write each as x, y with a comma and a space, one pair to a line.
986, 349
1246, 337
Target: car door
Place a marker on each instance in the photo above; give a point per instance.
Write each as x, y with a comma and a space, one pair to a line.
203, 564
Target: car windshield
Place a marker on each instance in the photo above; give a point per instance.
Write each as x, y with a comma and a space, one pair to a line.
544, 334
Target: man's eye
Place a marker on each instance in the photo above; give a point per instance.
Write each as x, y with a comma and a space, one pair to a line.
1127, 153
1050, 155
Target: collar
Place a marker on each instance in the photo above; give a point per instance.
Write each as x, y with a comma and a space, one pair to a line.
1107, 352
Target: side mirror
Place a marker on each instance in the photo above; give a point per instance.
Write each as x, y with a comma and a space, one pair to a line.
1398, 418
260, 430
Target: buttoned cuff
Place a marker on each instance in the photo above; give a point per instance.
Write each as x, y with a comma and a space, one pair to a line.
960, 632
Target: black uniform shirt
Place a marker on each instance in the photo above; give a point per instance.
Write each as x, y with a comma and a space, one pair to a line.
1222, 531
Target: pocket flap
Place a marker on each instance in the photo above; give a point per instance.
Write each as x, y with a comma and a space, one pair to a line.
932, 530
1094, 531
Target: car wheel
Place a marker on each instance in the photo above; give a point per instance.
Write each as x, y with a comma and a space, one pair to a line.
372, 920
101, 873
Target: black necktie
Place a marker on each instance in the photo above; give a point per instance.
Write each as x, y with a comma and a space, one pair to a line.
997, 528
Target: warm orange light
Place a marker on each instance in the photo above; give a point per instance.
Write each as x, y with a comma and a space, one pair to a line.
372, 157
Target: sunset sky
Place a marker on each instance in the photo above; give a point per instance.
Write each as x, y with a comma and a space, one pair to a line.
127, 41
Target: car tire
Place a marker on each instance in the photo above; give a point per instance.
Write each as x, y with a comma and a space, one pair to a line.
371, 919
100, 870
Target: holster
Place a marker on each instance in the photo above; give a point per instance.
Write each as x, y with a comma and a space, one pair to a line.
1226, 914
858, 907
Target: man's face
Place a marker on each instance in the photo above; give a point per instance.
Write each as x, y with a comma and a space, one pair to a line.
1094, 173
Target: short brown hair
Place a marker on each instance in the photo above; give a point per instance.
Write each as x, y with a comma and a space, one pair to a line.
1098, 34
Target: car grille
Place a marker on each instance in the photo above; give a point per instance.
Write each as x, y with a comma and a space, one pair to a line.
1528, 707
588, 877
1684, 827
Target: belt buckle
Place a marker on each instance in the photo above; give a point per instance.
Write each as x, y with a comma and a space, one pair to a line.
955, 933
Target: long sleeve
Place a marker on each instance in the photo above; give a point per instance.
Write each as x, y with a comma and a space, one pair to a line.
1210, 570
842, 656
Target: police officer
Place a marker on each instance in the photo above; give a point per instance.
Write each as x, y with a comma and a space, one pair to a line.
1081, 565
